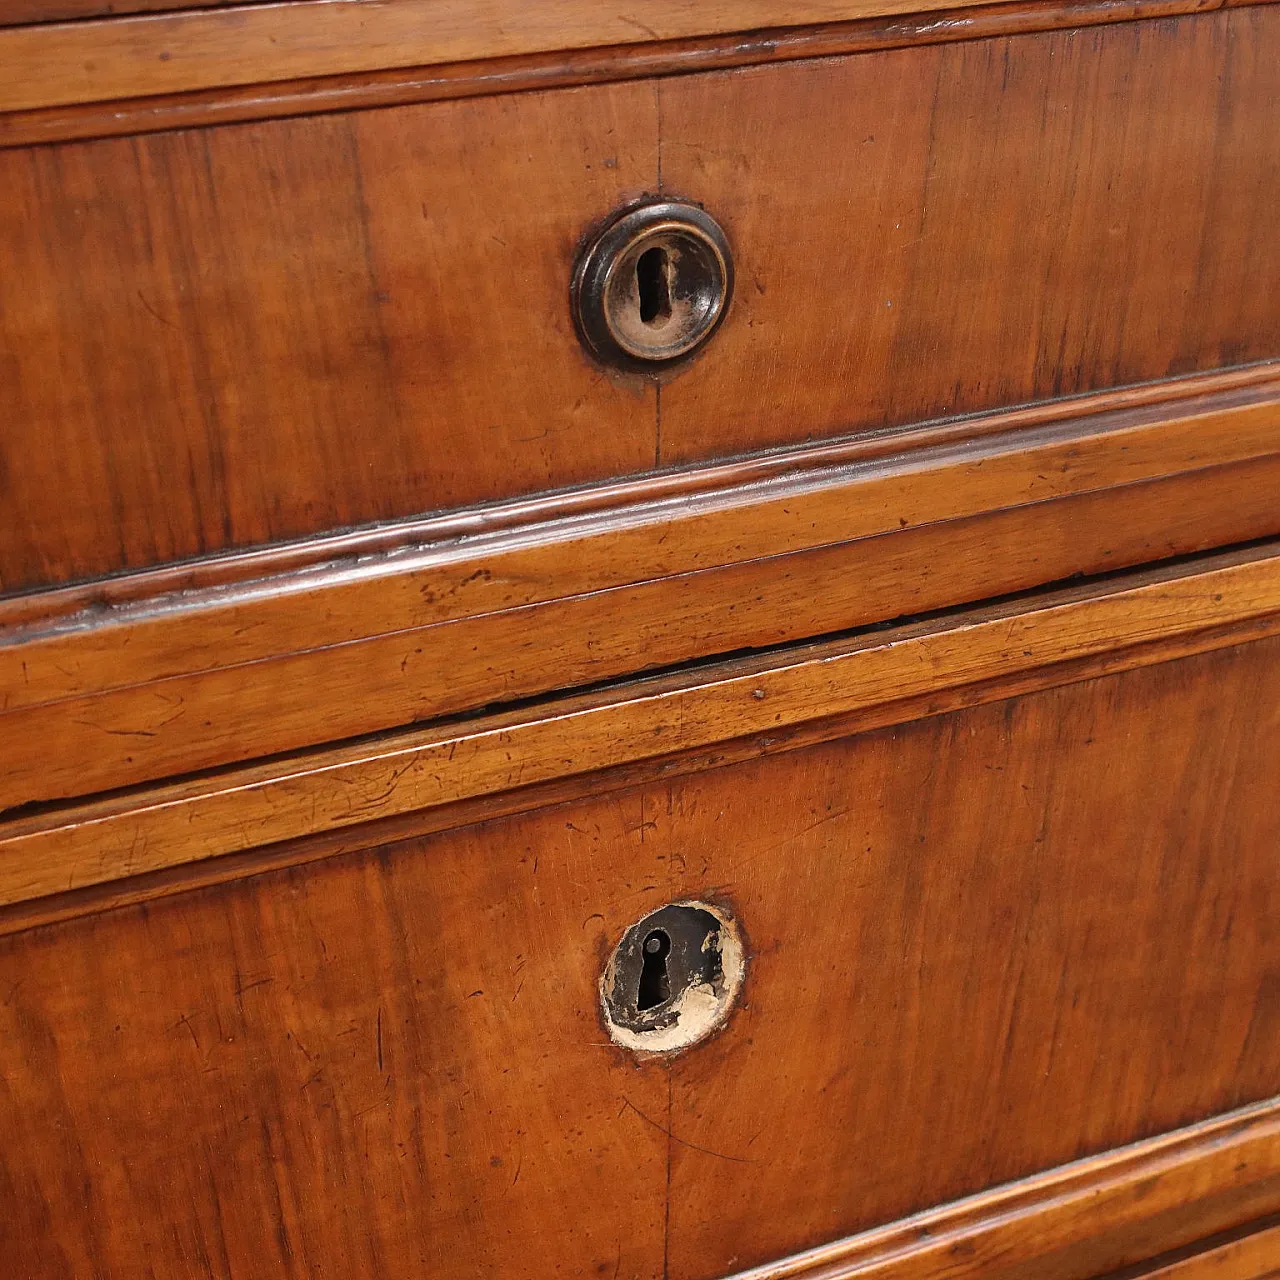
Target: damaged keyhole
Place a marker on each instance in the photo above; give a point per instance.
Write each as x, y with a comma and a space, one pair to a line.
655, 983
673, 977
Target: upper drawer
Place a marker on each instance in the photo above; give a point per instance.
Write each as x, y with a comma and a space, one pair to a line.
225, 337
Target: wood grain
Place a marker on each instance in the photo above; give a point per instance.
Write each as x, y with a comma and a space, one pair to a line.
202, 373
1254, 1257
19, 12
480, 564
148, 886
115, 697
283, 993
392, 1060
993, 222
203, 381
565, 67
1202, 396
1189, 607
143, 731
1074, 1219
948, 917
366, 1086
167, 53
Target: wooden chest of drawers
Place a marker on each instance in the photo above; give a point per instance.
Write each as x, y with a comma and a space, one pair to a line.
805, 808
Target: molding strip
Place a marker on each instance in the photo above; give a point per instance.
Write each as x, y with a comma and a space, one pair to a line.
40, 609
104, 59
1083, 1219
1139, 618
787, 509
135, 690
146, 73
1255, 1256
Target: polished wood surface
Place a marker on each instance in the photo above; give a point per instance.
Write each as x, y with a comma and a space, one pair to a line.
1149, 617
203, 373
19, 12
1253, 1257
201, 380
1088, 1216
1009, 937
1007, 220
1181, 411
116, 696
372, 661
163, 53
563, 67
230, 713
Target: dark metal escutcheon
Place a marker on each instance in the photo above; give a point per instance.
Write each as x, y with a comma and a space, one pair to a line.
652, 286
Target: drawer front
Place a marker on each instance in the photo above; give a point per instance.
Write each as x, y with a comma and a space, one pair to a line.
223, 337
943, 230
226, 337
979, 944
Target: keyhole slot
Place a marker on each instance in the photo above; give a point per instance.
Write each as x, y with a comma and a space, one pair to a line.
653, 282
655, 981
672, 977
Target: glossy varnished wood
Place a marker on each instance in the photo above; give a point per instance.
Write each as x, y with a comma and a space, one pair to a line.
522, 72
227, 714
992, 222
414, 353
1255, 1256
371, 1097
1007, 937
370, 659
190, 680
945, 916
15, 13
1196, 1184
225, 338
233, 609
1181, 409
250, 44
1126, 622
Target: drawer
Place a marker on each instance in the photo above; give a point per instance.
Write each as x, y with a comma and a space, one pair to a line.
309, 393
471, 804
997, 913
225, 337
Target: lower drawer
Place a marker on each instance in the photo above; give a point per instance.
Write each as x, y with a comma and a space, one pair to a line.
977, 945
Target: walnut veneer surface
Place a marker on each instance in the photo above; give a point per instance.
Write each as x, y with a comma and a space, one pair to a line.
372, 658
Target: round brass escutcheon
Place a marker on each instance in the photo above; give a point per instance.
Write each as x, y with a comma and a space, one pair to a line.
653, 285
672, 978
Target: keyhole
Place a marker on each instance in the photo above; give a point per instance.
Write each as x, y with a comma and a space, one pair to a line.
655, 984
654, 287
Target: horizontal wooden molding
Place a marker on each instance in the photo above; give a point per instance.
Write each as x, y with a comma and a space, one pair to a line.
17, 13
635, 577
47, 609
217, 66
1084, 1219
411, 824
1253, 1255
97, 61
1137, 619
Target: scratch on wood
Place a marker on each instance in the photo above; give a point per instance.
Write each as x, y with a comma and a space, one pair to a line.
666, 1200
692, 1146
